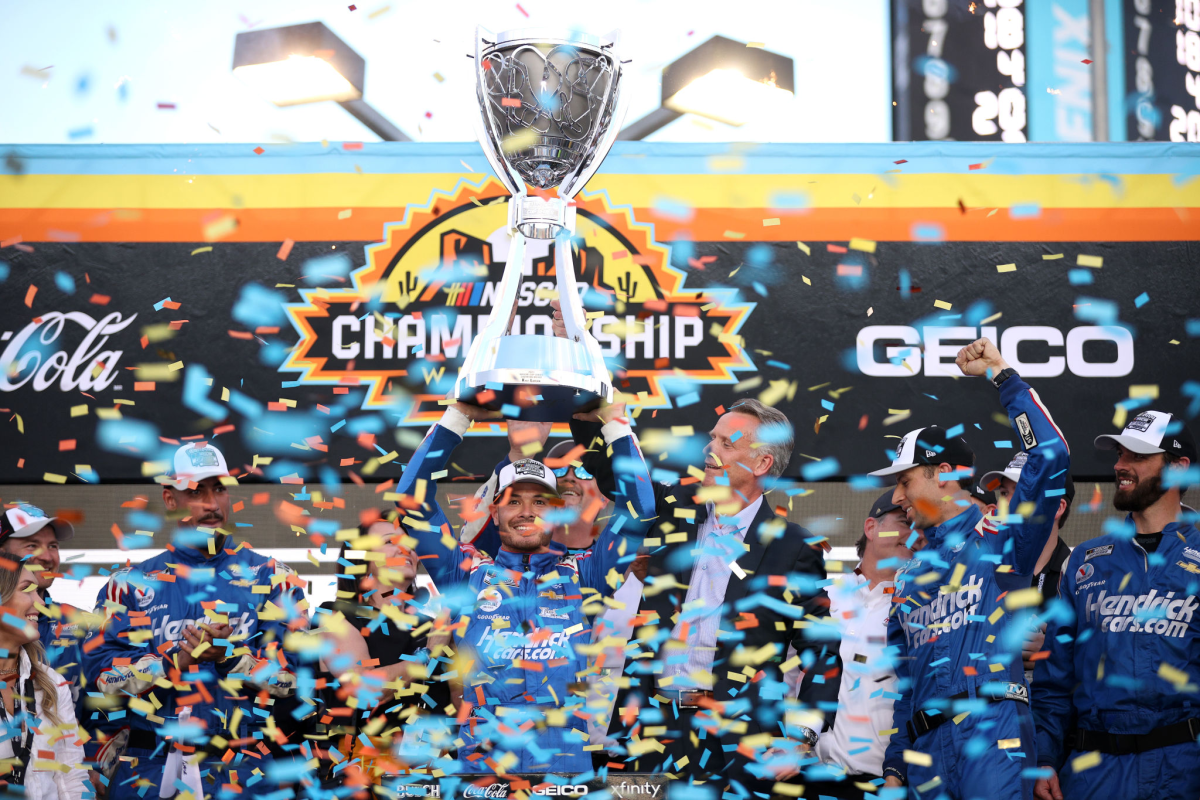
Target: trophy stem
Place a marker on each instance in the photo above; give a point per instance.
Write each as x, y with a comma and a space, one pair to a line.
573, 315
503, 310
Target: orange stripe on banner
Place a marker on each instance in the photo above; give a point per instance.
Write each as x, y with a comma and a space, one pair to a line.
708, 224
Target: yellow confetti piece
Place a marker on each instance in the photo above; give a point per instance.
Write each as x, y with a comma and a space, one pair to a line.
942, 304
1006, 268
1173, 341
807, 250
767, 223
889, 731
995, 667
1085, 761
200, 250
527, 137
1022, 598
787, 789
1137, 392
1052, 257
1176, 677
918, 758
1095, 262
956, 577
1008, 744
178, 365
682, 430
441, 473
734, 235
995, 615
960, 717
759, 45
345, 213
807, 282
79, 411
993, 318
865, 245
51, 477
1124, 581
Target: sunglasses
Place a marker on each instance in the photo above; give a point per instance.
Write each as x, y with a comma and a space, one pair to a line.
580, 473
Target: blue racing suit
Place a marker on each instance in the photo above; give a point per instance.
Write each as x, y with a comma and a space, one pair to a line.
147, 607
957, 639
61, 641
521, 620
1124, 659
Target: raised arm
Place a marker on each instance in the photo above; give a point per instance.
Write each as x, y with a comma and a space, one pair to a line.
1044, 476
615, 458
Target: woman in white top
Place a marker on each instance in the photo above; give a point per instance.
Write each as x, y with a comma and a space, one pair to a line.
37, 716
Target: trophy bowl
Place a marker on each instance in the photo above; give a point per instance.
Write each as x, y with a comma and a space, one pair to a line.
550, 109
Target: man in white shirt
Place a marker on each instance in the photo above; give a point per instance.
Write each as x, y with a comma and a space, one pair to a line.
851, 747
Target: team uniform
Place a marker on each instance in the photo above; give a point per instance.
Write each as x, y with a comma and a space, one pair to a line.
147, 608
524, 620
957, 644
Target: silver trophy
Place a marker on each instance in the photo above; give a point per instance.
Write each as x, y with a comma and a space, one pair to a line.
550, 110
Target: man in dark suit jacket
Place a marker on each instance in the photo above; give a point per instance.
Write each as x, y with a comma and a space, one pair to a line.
730, 586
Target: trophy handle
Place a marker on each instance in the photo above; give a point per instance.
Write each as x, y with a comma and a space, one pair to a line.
502, 311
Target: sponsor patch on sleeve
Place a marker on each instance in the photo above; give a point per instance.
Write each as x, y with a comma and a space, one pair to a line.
1096, 552
1026, 431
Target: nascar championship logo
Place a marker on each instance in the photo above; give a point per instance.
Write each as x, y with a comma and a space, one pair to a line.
428, 287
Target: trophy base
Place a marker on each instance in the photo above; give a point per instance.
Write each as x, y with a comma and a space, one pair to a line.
547, 378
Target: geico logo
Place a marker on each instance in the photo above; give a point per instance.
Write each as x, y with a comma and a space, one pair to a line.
895, 351
563, 791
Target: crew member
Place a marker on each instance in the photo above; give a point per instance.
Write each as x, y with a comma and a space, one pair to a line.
1115, 702
956, 658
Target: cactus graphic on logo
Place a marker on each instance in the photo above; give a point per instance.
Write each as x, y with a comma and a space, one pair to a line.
428, 288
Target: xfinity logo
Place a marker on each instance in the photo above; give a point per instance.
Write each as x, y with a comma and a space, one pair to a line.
900, 351
627, 790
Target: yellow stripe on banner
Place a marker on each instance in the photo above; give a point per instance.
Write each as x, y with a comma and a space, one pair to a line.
326, 190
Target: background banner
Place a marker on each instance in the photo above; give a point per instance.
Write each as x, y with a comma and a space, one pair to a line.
308, 305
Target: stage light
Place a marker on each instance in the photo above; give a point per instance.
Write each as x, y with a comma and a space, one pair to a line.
723, 80
308, 64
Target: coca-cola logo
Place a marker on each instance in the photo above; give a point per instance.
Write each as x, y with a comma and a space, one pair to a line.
35, 355
491, 790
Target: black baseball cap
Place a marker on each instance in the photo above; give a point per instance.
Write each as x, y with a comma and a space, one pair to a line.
929, 445
1153, 432
982, 494
883, 505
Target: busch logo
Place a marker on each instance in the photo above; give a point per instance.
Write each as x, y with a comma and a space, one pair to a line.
89, 368
491, 790
1146, 613
946, 612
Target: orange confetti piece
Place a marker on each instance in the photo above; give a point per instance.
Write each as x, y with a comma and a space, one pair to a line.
285, 249
29, 295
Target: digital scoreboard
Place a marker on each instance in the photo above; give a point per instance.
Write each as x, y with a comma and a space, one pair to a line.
959, 70
1161, 71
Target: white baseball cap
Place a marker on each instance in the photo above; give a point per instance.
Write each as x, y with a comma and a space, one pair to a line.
1012, 472
196, 461
928, 445
527, 470
1152, 432
23, 520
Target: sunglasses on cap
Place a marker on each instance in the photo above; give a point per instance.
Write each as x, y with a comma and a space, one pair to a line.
580, 473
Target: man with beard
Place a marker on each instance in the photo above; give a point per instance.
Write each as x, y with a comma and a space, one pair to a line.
194, 633
1115, 702
729, 585
958, 616
519, 614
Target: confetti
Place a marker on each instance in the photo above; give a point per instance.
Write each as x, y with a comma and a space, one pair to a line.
1096, 262
1006, 268
942, 304
864, 245
285, 249
805, 248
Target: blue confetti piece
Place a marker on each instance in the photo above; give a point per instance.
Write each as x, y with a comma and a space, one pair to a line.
1080, 277
1094, 309
196, 382
820, 469
778, 365
159, 305
788, 199
65, 283
128, 436
678, 210
928, 232
259, 306
905, 284
81, 133
1003, 444
825, 404
957, 430
1025, 211
326, 268
1192, 326
511, 411
337, 426
1141, 300
4, 269
691, 398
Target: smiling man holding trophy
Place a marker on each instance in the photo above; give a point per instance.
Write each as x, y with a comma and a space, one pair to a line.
550, 109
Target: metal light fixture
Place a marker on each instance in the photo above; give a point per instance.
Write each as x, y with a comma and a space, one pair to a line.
308, 64
723, 80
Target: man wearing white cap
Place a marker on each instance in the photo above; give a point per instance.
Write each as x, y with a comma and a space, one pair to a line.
962, 719
1116, 702
210, 618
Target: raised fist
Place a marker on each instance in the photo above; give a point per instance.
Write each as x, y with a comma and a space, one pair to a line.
980, 358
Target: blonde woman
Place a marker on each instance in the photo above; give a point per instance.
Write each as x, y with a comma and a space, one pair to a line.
37, 713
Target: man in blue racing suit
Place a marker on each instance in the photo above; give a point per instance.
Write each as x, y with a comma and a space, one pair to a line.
193, 642
520, 611
962, 724
1116, 703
